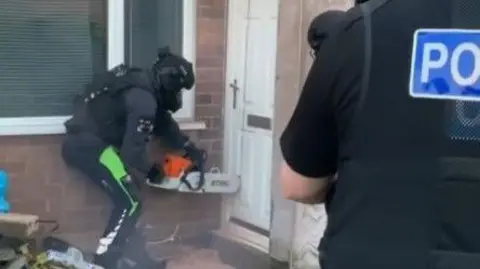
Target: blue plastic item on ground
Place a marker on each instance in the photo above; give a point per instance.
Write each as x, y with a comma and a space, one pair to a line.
4, 205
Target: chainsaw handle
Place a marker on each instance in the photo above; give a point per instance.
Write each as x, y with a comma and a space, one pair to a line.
199, 165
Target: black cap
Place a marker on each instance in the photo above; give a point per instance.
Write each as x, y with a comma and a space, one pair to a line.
321, 25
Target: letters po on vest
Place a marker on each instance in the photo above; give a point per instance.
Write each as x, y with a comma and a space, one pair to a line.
445, 64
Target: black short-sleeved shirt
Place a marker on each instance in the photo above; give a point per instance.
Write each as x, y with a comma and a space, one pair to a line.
315, 138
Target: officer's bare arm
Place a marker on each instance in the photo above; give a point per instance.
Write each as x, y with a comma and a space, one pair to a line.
302, 189
309, 141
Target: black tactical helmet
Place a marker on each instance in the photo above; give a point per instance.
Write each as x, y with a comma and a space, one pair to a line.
320, 26
172, 73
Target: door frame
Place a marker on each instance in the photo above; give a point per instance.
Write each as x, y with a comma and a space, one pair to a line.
115, 33
236, 37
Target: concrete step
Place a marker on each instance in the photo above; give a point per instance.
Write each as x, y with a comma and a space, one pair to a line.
242, 256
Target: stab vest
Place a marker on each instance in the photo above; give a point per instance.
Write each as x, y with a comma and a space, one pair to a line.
103, 102
408, 189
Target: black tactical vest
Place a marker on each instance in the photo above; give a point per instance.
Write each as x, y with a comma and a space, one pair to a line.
103, 103
408, 190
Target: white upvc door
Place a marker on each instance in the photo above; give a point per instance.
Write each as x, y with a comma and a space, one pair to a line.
251, 64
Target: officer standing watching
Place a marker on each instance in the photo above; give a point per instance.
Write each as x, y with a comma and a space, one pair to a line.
384, 107
106, 140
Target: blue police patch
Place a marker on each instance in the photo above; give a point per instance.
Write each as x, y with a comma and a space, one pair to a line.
445, 64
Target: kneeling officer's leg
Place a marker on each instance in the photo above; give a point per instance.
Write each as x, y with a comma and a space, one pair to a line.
127, 206
102, 165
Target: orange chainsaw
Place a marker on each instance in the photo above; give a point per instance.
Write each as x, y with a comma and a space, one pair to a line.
183, 172
186, 173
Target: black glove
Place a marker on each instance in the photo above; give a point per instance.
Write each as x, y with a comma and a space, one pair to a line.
154, 175
198, 158
196, 155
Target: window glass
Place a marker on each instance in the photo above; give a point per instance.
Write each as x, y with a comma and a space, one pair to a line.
151, 24
48, 50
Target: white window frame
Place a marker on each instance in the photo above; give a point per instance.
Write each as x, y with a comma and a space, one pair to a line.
189, 45
115, 56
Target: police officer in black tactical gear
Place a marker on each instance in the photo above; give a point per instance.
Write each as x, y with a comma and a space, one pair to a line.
106, 140
391, 107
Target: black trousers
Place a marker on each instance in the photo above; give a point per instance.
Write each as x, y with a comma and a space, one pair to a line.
100, 162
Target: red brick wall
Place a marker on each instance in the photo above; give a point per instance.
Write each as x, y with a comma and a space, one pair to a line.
42, 185
211, 51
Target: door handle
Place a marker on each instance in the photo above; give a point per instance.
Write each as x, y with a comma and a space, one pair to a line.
235, 89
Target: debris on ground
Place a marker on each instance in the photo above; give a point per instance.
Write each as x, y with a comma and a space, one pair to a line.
200, 258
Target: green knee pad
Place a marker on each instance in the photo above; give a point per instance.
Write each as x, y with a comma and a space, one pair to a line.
110, 160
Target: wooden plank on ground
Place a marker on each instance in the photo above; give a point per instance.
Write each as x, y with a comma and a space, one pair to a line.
18, 225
